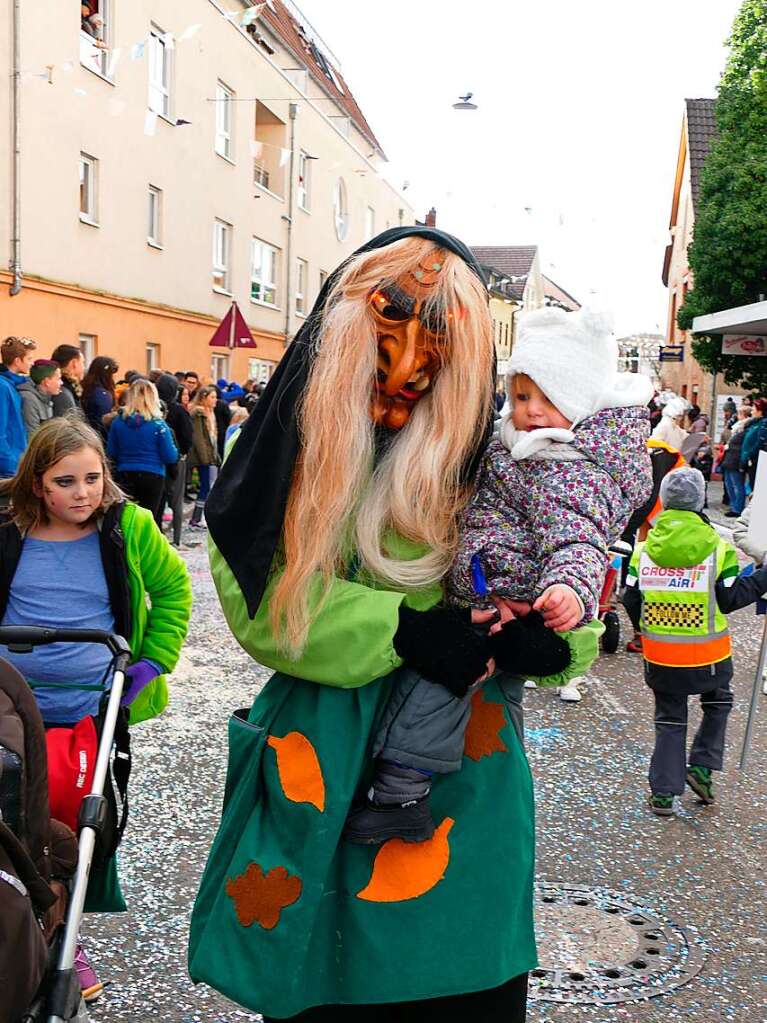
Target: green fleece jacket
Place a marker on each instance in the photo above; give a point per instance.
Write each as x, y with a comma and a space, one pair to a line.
350, 641
161, 603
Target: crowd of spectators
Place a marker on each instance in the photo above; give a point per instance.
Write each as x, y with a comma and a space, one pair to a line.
164, 432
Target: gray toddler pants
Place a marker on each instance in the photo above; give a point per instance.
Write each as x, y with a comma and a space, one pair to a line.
424, 724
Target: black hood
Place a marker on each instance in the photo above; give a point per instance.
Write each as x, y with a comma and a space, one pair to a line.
167, 388
246, 507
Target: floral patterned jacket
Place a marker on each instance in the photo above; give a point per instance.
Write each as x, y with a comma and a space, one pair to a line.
547, 519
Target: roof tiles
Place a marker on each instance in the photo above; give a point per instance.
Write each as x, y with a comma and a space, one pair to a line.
557, 294
280, 20
701, 129
513, 260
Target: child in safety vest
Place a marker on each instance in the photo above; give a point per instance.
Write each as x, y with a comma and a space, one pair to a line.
682, 582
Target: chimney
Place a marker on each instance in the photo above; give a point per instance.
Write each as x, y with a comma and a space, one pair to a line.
431, 218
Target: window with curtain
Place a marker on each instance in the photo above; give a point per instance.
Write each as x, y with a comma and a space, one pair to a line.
263, 272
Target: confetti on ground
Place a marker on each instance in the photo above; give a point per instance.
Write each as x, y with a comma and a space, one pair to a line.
703, 869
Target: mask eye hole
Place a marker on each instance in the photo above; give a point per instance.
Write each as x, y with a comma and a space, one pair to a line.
435, 324
437, 320
387, 308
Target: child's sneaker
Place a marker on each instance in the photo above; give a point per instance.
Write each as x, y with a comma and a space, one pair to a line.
373, 823
634, 645
661, 803
699, 780
571, 693
86, 976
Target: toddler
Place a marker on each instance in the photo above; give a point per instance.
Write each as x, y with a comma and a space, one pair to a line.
554, 490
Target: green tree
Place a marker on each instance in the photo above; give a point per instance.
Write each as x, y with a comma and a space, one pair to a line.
728, 254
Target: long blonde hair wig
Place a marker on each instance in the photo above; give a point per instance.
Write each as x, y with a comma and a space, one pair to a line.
339, 502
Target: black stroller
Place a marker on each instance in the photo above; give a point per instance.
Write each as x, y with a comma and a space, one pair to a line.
39, 916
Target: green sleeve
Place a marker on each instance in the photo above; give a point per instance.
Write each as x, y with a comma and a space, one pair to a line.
167, 586
633, 570
351, 636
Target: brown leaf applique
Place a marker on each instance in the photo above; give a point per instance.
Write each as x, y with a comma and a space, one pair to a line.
482, 732
260, 897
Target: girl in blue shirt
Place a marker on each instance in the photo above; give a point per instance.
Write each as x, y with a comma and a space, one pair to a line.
76, 555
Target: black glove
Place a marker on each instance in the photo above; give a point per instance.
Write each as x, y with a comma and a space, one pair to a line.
442, 646
525, 646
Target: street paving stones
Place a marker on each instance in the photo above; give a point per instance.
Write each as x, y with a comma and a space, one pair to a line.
702, 870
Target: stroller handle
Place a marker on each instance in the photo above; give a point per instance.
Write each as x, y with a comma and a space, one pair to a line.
21, 638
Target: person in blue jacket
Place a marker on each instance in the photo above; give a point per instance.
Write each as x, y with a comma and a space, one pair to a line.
16, 355
229, 391
98, 397
141, 445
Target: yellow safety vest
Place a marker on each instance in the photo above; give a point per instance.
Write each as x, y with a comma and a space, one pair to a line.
682, 626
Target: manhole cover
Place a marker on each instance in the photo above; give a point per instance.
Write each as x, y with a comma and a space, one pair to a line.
596, 947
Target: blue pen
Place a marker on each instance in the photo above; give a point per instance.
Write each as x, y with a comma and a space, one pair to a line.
478, 576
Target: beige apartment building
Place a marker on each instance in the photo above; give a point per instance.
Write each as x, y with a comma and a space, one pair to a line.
176, 156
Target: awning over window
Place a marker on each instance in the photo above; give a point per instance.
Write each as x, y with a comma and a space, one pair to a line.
745, 319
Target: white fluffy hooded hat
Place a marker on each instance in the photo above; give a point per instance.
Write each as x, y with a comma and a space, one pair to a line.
573, 358
675, 407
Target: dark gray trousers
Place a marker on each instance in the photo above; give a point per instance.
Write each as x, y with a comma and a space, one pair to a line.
668, 765
424, 724
174, 495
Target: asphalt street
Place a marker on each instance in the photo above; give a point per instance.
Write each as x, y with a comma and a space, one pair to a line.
701, 872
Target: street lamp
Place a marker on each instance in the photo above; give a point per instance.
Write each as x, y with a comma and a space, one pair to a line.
465, 103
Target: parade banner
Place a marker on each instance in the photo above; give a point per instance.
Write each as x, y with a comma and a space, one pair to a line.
744, 344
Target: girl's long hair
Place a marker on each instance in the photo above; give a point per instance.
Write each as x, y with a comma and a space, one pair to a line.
339, 502
200, 395
143, 400
53, 440
101, 373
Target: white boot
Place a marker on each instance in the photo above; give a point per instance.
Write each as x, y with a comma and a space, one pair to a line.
531, 684
571, 693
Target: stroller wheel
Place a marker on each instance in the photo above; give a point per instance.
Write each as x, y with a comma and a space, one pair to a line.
612, 633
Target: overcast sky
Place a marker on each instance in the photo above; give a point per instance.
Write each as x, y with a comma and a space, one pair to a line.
580, 112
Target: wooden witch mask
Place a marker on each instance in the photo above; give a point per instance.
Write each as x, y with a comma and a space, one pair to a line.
411, 327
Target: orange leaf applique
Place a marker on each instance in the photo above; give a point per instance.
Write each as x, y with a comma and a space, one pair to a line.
259, 897
299, 769
482, 732
405, 870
